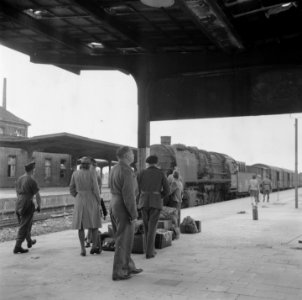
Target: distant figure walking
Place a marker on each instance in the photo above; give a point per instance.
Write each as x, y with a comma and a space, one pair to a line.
86, 214
254, 189
123, 213
153, 185
266, 188
26, 188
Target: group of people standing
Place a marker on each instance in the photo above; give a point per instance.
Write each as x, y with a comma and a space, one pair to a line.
150, 187
130, 192
256, 186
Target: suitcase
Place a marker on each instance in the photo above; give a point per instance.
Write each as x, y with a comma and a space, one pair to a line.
198, 225
139, 244
163, 238
164, 224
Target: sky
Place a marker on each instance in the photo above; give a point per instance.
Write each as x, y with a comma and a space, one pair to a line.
103, 105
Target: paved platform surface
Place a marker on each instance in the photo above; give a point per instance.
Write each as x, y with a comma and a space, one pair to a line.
234, 257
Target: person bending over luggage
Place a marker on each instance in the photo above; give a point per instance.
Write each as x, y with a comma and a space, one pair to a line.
176, 192
151, 182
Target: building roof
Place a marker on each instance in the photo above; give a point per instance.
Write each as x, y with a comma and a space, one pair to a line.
67, 143
6, 116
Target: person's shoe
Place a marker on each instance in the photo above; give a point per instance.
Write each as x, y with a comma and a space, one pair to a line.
150, 256
136, 271
31, 243
83, 252
116, 278
20, 250
95, 251
87, 245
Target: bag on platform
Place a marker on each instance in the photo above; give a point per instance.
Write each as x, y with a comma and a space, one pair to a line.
188, 225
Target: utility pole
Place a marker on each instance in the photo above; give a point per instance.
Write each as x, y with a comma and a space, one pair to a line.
296, 163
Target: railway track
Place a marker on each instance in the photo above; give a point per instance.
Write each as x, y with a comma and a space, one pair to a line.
48, 213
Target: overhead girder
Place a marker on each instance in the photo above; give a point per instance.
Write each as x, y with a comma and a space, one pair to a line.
212, 21
177, 64
94, 9
40, 28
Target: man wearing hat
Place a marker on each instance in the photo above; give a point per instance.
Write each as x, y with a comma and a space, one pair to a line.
152, 184
26, 188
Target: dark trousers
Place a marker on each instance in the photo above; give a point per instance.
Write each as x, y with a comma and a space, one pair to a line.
150, 218
123, 231
25, 224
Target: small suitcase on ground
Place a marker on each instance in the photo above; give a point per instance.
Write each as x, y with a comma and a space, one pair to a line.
198, 225
139, 244
163, 238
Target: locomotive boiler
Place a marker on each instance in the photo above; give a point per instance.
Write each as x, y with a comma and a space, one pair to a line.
210, 177
207, 176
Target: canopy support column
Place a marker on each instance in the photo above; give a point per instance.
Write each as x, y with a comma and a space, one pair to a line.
143, 150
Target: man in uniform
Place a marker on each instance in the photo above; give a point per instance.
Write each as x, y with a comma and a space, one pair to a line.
26, 188
123, 213
151, 182
266, 188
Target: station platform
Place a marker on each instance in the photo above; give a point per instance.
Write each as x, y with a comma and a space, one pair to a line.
233, 257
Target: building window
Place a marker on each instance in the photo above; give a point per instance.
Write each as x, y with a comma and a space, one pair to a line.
1, 130
11, 166
47, 168
62, 168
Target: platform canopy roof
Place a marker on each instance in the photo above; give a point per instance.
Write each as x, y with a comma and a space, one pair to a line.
66, 143
155, 38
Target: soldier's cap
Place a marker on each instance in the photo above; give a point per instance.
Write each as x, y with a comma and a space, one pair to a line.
30, 166
152, 159
85, 160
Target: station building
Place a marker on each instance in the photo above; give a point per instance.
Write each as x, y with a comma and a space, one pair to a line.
52, 169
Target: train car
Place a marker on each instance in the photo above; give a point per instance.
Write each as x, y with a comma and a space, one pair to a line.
210, 177
281, 178
206, 175
241, 180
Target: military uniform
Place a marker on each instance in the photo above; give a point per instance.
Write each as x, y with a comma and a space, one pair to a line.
123, 211
151, 181
26, 188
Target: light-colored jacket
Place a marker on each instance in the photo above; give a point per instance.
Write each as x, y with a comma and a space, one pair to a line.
84, 187
176, 190
254, 185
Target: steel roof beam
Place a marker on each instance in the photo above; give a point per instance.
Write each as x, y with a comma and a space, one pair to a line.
210, 18
28, 22
93, 8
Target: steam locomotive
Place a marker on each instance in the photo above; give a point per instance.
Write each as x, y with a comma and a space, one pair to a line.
210, 177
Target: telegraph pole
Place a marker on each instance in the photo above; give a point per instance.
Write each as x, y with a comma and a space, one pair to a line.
296, 163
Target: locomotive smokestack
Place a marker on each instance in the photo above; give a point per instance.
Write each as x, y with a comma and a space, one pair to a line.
4, 94
165, 140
